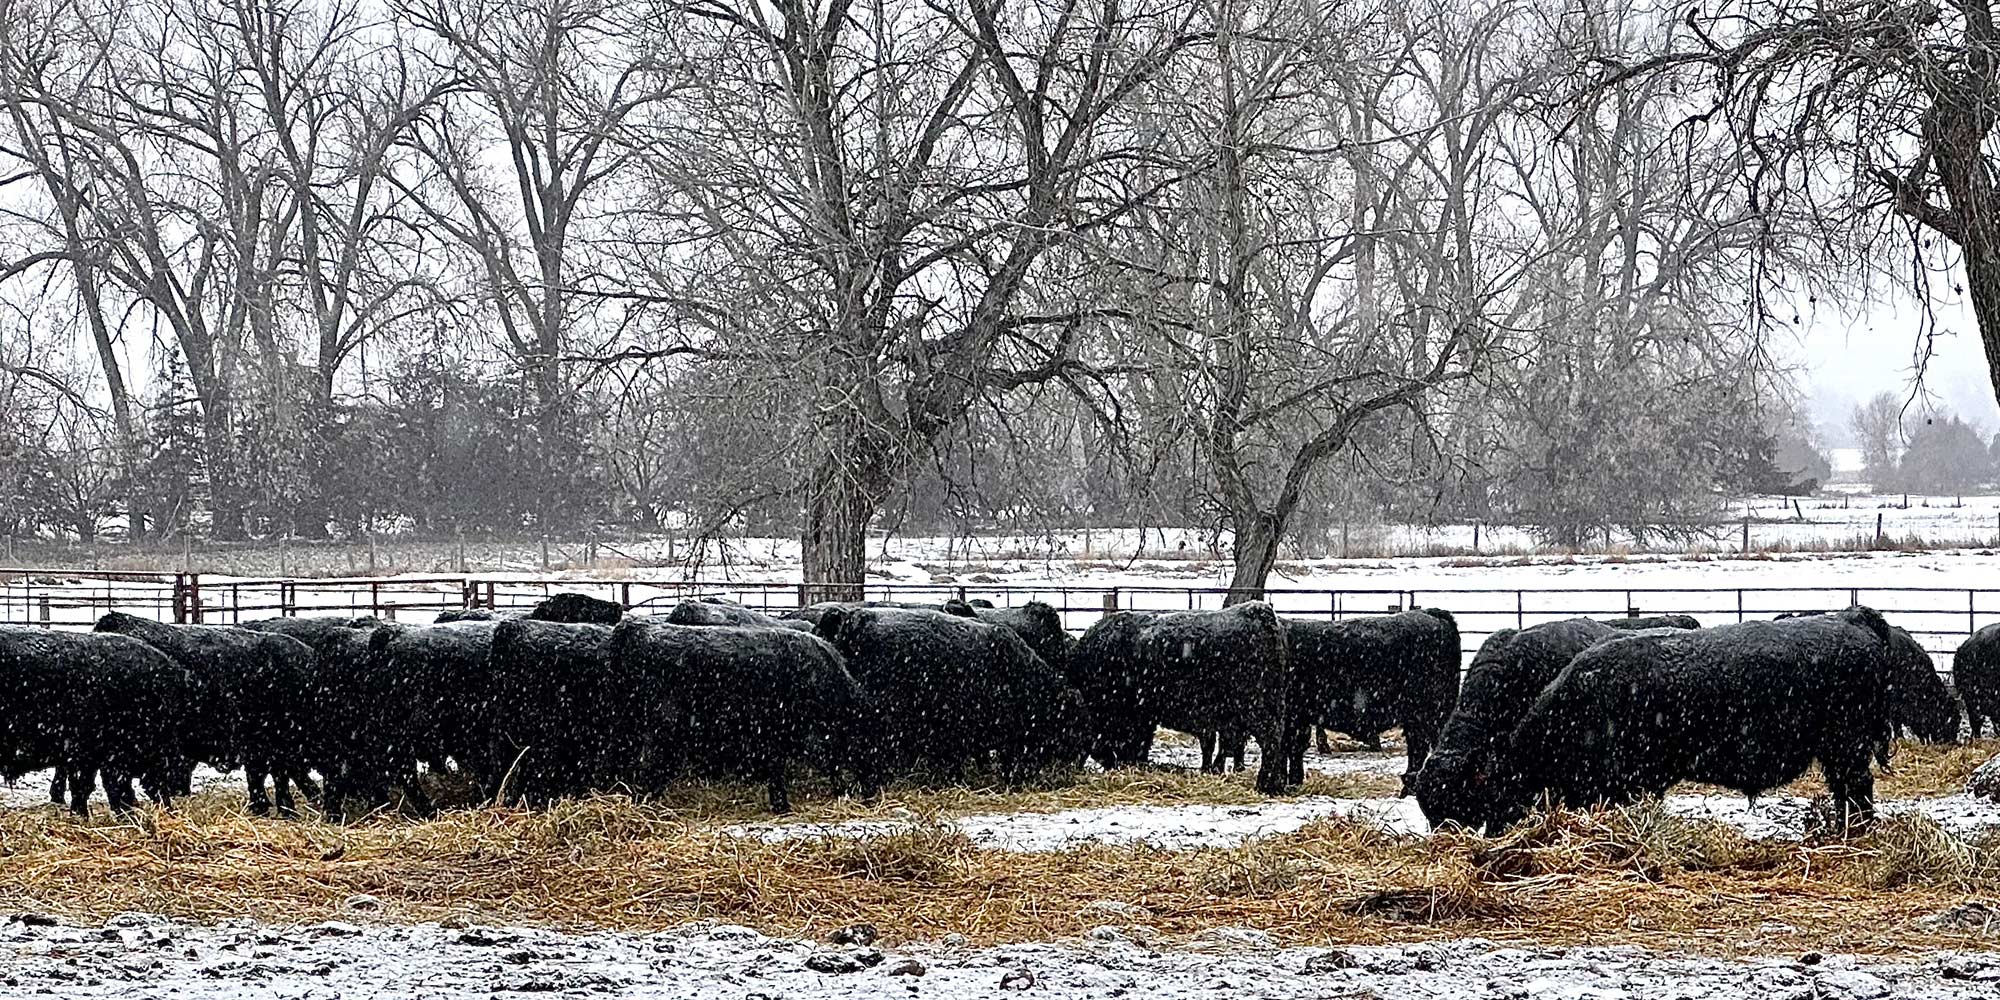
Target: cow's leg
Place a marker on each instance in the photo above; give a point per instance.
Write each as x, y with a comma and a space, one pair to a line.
159, 786
1851, 785
281, 790
254, 772
80, 778
774, 780
1297, 735
56, 784
118, 793
1320, 741
1271, 770
1211, 761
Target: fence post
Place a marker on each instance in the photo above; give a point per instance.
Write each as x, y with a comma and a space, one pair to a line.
194, 598
625, 593
42, 609
1746, 535
1971, 617
1475, 538
1739, 605
1520, 618
180, 599
1878, 527
375, 598
1111, 602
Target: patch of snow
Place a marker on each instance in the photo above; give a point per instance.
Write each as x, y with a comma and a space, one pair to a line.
240, 959
1189, 827
32, 789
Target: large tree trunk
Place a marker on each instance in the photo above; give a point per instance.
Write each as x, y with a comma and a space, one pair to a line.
1255, 552
225, 492
843, 495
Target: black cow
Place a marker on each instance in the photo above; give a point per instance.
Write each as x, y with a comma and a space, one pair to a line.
1919, 700
545, 720
1975, 672
1926, 707
91, 704
577, 609
1641, 623
455, 615
1038, 624
1458, 782
1201, 672
310, 630
753, 701
712, 612
955, 693
251, 702
443, 692
372, 722
1748, 706
1360, 672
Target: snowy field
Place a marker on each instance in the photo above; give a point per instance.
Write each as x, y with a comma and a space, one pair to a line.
135, 956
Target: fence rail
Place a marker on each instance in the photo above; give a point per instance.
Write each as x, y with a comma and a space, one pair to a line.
1940, 617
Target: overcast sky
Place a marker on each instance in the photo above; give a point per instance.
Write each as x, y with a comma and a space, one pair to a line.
1847, 360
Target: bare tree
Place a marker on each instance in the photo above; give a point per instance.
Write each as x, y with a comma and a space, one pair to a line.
521, 150
1878, 426
881, 189
1873, 118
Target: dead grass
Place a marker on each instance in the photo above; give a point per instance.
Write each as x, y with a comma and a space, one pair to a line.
1637, 875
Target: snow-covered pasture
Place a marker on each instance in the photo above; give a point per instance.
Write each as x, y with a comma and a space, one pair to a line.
133, 956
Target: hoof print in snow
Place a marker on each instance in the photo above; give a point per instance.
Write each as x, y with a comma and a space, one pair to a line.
1017, 979
905, 967
863, 934
833, 963
477, 938
732, 932
333, 928
1331, 961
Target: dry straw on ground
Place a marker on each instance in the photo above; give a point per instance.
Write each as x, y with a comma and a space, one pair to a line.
1638, 875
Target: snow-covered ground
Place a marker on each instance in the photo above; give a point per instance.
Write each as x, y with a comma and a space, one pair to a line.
136, 956
1180, 828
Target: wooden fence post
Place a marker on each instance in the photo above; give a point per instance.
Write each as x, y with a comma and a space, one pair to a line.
1110, 602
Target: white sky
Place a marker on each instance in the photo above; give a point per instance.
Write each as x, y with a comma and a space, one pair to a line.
1844, 360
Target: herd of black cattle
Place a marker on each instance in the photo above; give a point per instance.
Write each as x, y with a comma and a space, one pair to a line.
578, 696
